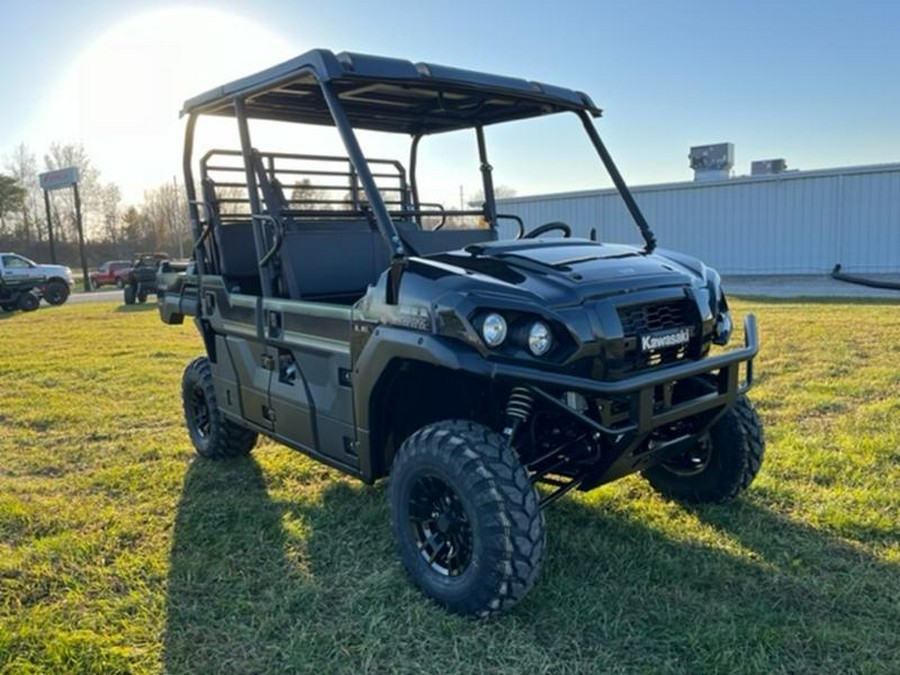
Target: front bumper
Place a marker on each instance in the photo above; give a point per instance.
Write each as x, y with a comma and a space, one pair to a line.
640, 389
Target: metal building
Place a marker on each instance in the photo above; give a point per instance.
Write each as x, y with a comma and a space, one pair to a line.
796, 222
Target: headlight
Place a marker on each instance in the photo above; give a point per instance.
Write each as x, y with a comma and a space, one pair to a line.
723, 328
493, 330
540, 339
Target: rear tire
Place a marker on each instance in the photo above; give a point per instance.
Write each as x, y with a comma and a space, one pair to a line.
466, 518
28, 302
721, 466
56, 293
213, 436
141, 294
94, 284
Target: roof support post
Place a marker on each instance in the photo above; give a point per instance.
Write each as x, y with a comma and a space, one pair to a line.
191, 191
413, 178
490, 206
618, 181
376, 203
258, 224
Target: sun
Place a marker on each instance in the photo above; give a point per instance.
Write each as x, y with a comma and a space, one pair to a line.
122, 95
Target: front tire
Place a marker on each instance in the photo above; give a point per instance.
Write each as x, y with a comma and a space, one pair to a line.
466, 518
129, 295
213, 436
56, 293
721, 465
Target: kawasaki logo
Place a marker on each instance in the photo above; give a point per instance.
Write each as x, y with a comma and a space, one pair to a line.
669, 338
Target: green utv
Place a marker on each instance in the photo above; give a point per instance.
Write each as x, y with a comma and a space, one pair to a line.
487, 377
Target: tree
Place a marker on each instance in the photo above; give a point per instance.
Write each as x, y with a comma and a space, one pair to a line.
134, 228
110, 197
166, 213
305, 196
22, 166
500, 192
12, 196
60, 156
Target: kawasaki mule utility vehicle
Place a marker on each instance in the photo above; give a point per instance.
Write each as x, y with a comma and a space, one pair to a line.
348, 318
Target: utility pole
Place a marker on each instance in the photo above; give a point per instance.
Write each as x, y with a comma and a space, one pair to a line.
50, 226
84, 266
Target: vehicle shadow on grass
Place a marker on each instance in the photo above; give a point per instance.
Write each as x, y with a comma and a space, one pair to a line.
748, 590
227, 561
259, 585
311, 583
137, 308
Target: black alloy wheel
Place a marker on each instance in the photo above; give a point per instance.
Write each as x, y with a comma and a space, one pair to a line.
198, 409
441, 526
214, 436
694, 461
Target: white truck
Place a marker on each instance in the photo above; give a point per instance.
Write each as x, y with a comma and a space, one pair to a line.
52, 282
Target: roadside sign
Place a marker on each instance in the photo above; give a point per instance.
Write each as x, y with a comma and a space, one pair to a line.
54, 180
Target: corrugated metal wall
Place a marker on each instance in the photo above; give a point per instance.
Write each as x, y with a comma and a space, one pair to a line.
790, 223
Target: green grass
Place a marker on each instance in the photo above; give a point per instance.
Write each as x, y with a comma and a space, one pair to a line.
120, 552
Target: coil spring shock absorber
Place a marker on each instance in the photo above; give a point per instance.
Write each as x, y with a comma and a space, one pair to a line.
518, 410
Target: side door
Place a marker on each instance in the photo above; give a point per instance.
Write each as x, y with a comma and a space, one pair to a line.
291, 402
243, 378
17, 269
310, 390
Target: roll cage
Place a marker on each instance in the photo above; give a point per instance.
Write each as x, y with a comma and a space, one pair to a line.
355, 91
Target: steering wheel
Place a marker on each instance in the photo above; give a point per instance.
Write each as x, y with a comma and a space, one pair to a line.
549, 227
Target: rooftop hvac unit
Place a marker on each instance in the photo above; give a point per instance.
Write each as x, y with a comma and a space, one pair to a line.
712, 162
766, 167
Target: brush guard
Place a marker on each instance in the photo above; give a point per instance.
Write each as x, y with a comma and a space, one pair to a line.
630, 447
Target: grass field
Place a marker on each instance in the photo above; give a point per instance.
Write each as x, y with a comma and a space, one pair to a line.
120, 552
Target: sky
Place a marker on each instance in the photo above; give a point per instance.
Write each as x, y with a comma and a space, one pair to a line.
814, 83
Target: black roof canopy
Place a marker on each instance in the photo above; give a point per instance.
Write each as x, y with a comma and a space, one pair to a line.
387, 94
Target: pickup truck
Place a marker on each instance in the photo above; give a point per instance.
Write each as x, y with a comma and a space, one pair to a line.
53, 282
110, 272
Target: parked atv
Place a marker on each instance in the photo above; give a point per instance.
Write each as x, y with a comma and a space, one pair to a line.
22, 295
140, 280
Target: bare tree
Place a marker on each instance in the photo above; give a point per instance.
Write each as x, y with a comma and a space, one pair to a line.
22, 166
305, 196
110, 197
500, 192
166, 213
61, 156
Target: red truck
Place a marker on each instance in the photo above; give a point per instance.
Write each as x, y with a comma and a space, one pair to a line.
109, 272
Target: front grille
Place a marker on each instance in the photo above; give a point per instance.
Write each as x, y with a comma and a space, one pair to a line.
639, 320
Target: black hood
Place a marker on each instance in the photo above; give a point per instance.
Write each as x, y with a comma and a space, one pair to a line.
568, 271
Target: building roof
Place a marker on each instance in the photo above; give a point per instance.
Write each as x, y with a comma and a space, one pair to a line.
387, 94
